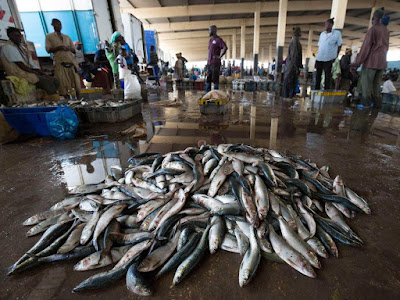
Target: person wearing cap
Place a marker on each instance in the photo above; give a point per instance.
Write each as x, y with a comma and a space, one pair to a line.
293, 65
330, 43
17, 61
65, 65
372, 57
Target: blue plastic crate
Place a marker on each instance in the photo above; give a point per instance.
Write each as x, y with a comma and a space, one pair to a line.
29, 120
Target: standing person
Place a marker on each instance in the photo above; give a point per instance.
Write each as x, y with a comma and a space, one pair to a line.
100, 58
271, 70
330, 43
154, 63
345, 63
184, 60
17, 61
85, 67
112, 51
311, 70
129, 56
372, 56
123, 69
216, 49
65, 65
293, 65
179, 68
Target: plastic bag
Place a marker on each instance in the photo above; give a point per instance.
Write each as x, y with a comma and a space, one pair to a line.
132, 89
63, 123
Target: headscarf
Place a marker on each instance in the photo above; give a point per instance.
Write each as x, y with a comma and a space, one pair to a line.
385, 20
114, 36
296, 31
379, 13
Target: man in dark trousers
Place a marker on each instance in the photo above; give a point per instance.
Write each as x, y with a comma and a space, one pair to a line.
154, 63
373, 58
293, 65
330, 43
216, 49
346, 75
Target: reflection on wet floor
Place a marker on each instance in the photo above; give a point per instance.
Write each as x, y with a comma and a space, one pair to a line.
257, 119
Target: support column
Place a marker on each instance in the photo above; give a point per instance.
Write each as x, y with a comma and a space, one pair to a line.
280, 38
377, 3
338, 12
262, 55
270, 57
242, 46
229, 45
234, 45
256, 43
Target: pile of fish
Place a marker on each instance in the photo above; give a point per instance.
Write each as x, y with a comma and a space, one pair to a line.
165, 212
97, 103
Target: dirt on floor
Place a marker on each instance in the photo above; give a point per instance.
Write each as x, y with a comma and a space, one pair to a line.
360, 145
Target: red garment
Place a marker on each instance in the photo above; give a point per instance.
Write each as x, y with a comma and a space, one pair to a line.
374, 48
215, 45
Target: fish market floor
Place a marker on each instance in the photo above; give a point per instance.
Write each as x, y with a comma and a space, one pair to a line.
363, 146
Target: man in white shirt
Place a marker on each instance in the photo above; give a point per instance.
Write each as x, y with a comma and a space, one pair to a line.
85, 67
18, 62
388, 86
79, 56
330, 43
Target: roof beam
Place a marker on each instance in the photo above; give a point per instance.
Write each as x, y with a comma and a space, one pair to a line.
182, 36
229, 23
236, 23
236, 8
223, 32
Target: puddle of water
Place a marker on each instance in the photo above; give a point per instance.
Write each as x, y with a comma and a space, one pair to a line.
257, 119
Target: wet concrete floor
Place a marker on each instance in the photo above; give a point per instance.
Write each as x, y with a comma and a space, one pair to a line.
361, 146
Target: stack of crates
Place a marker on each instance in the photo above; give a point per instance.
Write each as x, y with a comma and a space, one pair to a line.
91, 93
250, 86
109, 114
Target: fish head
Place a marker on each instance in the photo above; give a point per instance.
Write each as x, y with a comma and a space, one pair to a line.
338, 181
244, 278
143, 291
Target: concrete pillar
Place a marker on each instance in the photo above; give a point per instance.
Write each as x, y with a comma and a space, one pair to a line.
338, 11
309, 45
256, 42
234, 45
280, 38
229, 45
242, 46
270, 57
372, 14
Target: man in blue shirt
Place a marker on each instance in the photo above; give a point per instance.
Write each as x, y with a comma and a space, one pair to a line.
330, 43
